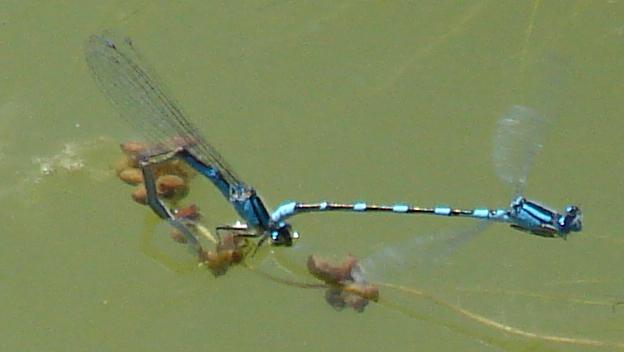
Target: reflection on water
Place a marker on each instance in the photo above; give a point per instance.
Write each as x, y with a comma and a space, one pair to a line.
454, 316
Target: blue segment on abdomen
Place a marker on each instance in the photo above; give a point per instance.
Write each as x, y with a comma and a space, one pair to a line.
359, 206
481, 213
442, 210
400, 208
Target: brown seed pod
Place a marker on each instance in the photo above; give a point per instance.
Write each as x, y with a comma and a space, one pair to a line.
122, 164
217, 262
175, 167
140, 194
131, 176
133, 148
347, 286
331, 273
228, 252
362, 289
171, 187
190, 212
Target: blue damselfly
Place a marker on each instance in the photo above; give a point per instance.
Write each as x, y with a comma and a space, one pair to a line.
516, 142
134, 89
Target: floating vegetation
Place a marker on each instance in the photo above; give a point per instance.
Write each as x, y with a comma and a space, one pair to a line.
346, 286
172, 175
230, 250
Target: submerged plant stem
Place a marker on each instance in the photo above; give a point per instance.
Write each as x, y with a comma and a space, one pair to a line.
500, 326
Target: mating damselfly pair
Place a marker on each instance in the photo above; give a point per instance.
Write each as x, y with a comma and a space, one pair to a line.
140, 98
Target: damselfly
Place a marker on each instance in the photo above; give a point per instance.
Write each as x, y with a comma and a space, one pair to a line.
133, 88
516, 141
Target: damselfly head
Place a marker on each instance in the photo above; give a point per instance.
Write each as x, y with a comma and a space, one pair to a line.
573, 218
283, 235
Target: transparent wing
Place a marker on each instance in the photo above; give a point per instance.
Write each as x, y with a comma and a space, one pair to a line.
134, 89
517, 140
410, 261
543, 90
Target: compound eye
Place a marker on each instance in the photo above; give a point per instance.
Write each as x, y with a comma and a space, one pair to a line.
274, 236
572, 210
281, 237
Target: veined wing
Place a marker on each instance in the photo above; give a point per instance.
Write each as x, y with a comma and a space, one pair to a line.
410, 261
520, 131
134, 89
517, 140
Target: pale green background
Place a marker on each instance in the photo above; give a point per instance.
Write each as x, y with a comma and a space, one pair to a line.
380, 100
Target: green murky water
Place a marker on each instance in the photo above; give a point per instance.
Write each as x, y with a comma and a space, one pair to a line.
380, 100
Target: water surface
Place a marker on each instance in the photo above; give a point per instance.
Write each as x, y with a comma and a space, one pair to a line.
375, 100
